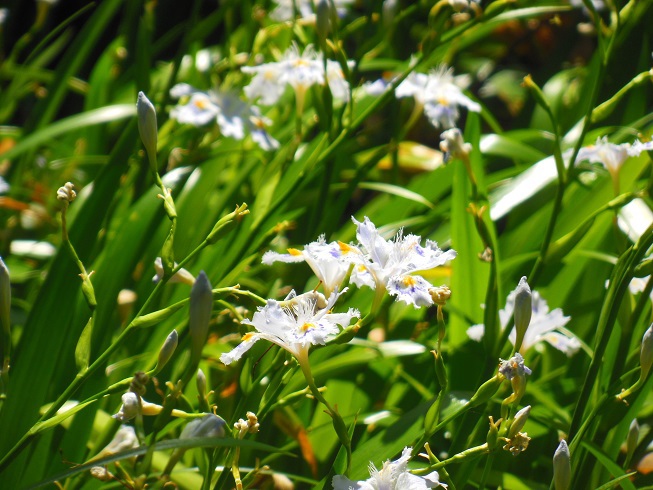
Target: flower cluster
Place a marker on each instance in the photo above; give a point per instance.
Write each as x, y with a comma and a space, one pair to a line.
233, 116
298, 70
376, 262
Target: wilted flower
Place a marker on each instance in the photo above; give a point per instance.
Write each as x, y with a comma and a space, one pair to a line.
66, 193
182, 275
440, 94
124, 439
129, 408
453, 144
294, 328
250, 425
287, 10
233, 115
517, 443
208, 426
543, 324
516, 371
393, 476
514, 367
391, 264
327, 260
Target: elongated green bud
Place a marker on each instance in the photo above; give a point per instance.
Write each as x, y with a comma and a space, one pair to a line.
147, 127
523, 311
646, 353
486, 391
323, 19
200, 381
562, 467
167, 349
201, 306
631, 440
145, 321
5, 298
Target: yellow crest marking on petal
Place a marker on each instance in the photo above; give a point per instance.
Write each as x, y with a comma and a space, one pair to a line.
443, 101
361, 268
294, 251
307, 326
201, 103
408, 281
248, 336
344, 248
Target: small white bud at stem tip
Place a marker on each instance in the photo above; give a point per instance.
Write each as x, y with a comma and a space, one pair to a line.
562, 467
519, 421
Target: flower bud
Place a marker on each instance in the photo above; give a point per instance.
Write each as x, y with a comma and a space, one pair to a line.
66, 193
323, 19
519, 421
562, 467
486, 391
200, 381
167, 349
201, 306
147, 127
523, 311
208, 426
129, 408
646, 353
5, 298
632, 439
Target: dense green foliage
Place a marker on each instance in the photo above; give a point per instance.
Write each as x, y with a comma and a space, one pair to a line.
543, 80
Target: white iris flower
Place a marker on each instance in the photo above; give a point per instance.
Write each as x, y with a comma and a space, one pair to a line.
393, 476
300, 71
542, 327
329, 261
440, 94
391, 264
294, 327
234, 116
610, 155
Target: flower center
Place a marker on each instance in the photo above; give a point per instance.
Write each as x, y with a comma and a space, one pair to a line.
408, 281
307, 326
294, 251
